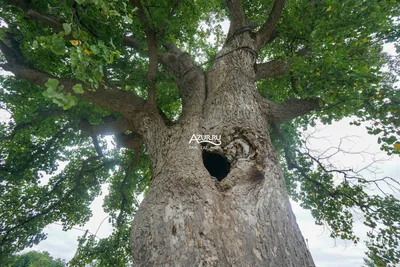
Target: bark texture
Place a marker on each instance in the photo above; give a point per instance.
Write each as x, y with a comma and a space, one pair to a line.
190, 219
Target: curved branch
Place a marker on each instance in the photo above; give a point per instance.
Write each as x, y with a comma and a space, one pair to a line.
110, 98
268, 31
271, 69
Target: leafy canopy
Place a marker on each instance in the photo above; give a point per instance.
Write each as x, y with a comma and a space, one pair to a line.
35, 259
334, 49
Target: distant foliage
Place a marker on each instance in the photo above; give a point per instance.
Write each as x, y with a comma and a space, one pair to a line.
36, 259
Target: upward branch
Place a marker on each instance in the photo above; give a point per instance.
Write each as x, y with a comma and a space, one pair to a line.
151, 37
237, 16
190, 79
268, 31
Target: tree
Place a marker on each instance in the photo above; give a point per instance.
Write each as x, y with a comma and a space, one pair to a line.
155, 73
36, 259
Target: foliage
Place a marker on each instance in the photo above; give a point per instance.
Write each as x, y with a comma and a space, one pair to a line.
342, 67
36, 259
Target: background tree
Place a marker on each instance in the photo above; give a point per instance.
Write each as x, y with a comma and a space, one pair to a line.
36, 259
153, 73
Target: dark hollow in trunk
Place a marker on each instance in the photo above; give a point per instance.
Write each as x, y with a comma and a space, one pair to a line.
216, 164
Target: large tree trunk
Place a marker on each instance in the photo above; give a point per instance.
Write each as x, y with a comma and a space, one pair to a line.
189, 218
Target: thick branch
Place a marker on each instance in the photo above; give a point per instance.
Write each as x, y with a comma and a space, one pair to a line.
268, 31
45, 19
190, 79
176, 61
271, 69
289, 110
112, 126
110, 98
32, 14
237, 16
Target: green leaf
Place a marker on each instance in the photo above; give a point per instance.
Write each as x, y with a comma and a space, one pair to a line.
52, 84
78, 88
113, 13
58, 102
67, 28
57, 45
35, 44
70, 101
127, 19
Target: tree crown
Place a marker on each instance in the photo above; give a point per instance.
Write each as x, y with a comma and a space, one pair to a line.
81, 68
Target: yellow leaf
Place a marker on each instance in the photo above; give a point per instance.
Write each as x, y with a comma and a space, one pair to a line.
396, 146
313, 194
88, 51
330, 15
356, 84
318, 73
75, 42
378, 114
329, 8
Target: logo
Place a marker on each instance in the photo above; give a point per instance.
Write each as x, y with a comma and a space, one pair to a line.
201, 139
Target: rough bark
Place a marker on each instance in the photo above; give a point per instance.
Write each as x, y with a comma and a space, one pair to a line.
189, 218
